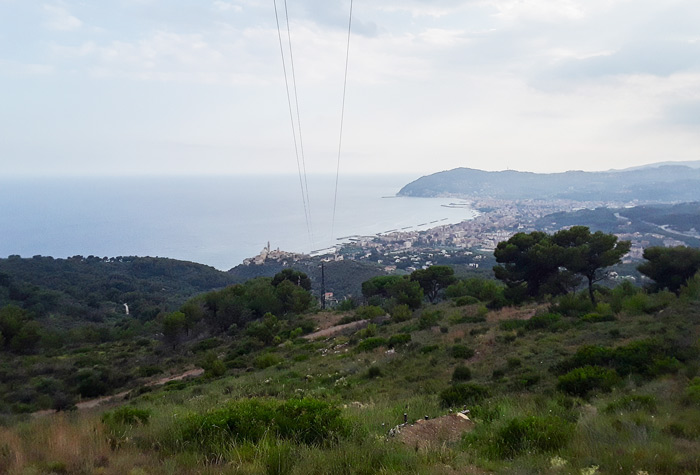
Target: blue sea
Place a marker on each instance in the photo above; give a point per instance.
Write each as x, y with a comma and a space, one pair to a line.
218, 221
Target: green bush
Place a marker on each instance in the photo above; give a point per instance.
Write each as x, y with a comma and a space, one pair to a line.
691, 395
544, 321
463, 393
573, 304
429, 319
126, 415
581, 381
531, 434
399, 339
207, 344
374, 372
461, 373
372, 343
461, 351
401, 313
429, 349
368, 312
632, 402
466, 300
266, 360
597, 317
525, 379
512, 325
307, 421
347, 305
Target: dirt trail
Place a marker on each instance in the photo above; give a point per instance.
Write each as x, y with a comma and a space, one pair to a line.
336, 329
92, 403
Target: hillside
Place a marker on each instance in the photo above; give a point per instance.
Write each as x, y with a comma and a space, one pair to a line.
655, 223
81, 289
667, 183
343, 278
555, 387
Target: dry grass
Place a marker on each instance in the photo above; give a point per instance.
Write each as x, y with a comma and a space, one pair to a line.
73, 444
523, 312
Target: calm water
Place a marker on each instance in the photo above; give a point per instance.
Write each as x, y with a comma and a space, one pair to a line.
217, 221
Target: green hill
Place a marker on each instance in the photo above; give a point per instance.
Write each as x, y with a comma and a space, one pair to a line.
555, 387
668, 183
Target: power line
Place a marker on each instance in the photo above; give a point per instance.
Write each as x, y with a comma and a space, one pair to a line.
294, 133
296, 102
342, 118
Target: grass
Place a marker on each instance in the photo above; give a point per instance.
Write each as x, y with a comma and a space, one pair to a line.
649, 421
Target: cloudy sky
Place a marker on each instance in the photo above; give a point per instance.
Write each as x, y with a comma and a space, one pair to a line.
185, 87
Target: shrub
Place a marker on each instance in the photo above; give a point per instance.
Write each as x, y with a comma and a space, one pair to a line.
591, 355
512, 325
513, 362
461, 373
147, 371
429, 349
691, 395
371, 343
347, 304
266, 360
399, 339
581, 381
374, 372
310, 421
463, 393
544, 321
307, 421
525, 379
632, 402
573, 304
466, 300
369, 312
531, 434
637, 357
126, 415
401, 313
429, 319
207, 344
461, 351
597, 317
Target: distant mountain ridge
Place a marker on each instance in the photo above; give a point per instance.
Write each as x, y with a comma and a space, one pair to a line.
665, 183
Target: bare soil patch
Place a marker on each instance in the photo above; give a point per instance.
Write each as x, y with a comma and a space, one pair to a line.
435, 432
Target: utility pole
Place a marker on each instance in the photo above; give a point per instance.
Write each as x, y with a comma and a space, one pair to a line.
323, 287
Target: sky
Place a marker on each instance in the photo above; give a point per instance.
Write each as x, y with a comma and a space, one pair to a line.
139, 87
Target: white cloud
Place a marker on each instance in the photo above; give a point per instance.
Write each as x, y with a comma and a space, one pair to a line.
59, 18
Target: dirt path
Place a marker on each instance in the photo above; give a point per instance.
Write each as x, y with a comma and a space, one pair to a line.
337, 329
92, 403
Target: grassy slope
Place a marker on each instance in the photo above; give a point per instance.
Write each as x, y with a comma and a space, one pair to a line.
660, 439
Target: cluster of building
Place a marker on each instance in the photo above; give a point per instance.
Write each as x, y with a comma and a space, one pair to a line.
468, 242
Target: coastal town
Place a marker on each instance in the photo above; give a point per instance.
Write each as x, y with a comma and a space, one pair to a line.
471, 242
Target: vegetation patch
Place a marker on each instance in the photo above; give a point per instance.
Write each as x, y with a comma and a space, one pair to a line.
531, 434
463, 394
581, 381
461, 352
303, 421
371, 343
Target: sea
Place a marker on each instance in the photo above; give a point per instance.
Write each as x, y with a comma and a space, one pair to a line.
213, 220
